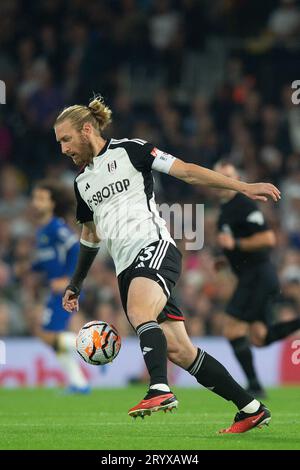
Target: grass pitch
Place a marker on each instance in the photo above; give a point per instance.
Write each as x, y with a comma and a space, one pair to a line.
46, 419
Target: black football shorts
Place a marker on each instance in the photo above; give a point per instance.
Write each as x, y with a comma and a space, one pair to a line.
161, 262
256, 292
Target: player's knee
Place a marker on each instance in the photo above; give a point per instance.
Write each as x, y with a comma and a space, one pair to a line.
257, 340
227, 332
234, 329
47, 337
231, 332
258, 334
136, 318
258, 343
141, 312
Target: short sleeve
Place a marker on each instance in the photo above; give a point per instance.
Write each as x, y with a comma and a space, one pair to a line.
254, 219
144, 156
139, 153
83, 212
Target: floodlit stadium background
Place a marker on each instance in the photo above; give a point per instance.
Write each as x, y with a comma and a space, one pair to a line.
200, 79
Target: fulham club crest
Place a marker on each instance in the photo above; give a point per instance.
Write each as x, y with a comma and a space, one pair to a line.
112, 166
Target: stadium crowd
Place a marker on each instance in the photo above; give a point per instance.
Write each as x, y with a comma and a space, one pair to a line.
115, 47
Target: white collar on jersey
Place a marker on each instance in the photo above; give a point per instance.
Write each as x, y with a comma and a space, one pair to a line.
102, 151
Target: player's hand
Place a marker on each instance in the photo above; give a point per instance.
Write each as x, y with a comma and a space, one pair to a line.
70, 300
262, 191
226, 241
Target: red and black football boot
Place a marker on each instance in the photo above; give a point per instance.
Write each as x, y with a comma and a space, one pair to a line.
245, 421
155, 400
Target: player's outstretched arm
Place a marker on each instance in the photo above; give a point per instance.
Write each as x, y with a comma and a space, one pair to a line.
196, 174
89, 247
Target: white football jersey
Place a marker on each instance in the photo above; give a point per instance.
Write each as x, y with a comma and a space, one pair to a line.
115, 191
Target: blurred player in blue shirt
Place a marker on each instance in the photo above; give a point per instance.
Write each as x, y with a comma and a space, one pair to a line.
55, 258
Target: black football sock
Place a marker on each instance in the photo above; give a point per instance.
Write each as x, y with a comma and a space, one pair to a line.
281, 330
212, 375
242, 350
154, 348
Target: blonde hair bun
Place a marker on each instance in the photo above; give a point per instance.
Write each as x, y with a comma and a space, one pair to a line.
100, 111
96, 112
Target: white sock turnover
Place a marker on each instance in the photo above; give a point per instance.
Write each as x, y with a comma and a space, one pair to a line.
252, 407
162, 387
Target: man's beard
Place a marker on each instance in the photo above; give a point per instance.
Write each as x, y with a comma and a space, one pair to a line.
85, 153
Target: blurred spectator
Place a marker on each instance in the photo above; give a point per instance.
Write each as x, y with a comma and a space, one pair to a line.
6, 143
284, 21
12, 198
163, 25
4, 320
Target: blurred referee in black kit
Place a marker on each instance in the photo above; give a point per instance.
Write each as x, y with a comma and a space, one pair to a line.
246, 241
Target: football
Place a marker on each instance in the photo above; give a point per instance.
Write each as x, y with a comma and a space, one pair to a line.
98, 343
